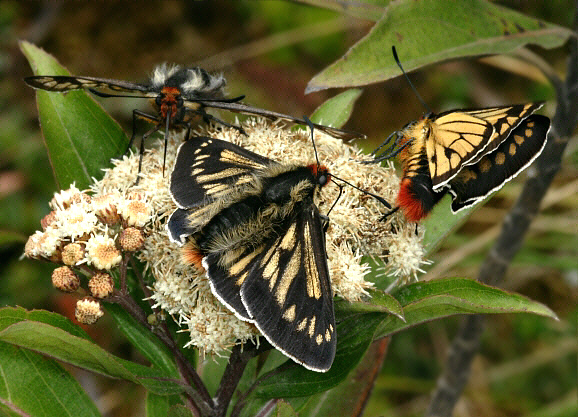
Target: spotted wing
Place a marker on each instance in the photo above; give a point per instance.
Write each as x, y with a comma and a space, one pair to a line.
271, 115
454, 140
208, 168
504, 119
287, 292
511, 157
62, 83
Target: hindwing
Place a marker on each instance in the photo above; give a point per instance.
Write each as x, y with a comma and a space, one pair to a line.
491, 172
287, 292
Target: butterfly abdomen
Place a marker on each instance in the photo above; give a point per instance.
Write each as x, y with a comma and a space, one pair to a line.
416, 196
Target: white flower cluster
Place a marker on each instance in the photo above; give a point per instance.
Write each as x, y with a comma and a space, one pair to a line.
117, 204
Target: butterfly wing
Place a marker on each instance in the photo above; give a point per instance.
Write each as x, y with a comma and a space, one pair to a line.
62, 83
287, 292
511, 157
504, 119
207, 168
271, 115
455, 139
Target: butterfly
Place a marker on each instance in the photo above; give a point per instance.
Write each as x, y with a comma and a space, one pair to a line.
468, 153
178, 94
251, 223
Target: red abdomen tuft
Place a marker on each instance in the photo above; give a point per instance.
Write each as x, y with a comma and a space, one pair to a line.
191, 255
409, 202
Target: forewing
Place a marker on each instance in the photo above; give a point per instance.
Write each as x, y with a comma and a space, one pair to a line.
455, 139
504, 119
513, 155
287, 292
62, 83
271, 115
208, 168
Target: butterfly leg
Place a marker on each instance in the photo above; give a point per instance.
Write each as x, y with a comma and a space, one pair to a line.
136, 114
386, 215
141, 151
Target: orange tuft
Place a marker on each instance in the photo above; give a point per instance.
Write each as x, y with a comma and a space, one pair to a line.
191, 255
409, 204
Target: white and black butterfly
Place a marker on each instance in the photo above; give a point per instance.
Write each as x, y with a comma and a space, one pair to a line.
177, 94
252, 225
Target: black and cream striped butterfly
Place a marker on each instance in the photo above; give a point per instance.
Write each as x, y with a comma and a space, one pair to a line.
253, 226
468, 153
178, 95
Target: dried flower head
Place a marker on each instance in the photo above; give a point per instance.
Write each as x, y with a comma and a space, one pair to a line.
64, 279
48, 220
131, 239
105, 208
73, 254
101, 285
88, 310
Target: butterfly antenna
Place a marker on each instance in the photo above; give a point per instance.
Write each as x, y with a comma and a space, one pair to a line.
166, 141
378, 198
394, 52
337, 199
312, 127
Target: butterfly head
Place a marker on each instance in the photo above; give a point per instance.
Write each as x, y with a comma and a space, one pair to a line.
321, 173
170, 104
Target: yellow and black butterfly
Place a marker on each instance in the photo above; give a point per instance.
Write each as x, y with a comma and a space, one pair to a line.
177, 94
252, 225
468, 153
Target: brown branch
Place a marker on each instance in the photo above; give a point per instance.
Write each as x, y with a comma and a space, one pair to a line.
465, 345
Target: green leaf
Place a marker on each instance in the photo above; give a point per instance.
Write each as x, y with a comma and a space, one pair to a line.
337, 110
441, 223
283, 409
363, 9
36, 386
354, 334
426, 301
11, 315
160, 405
430, 31
180, 411
379, 301
63, 346
350, 396
144, 340
80, 136
358, 327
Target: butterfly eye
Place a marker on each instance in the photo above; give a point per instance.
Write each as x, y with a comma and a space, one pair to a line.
322, 179
159, 100
180, 101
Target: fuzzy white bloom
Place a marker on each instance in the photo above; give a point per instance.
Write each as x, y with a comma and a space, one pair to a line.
102, 252
64, 198
354, 231
74, 222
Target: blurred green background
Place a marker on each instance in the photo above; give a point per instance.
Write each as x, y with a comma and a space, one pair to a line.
269, 50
